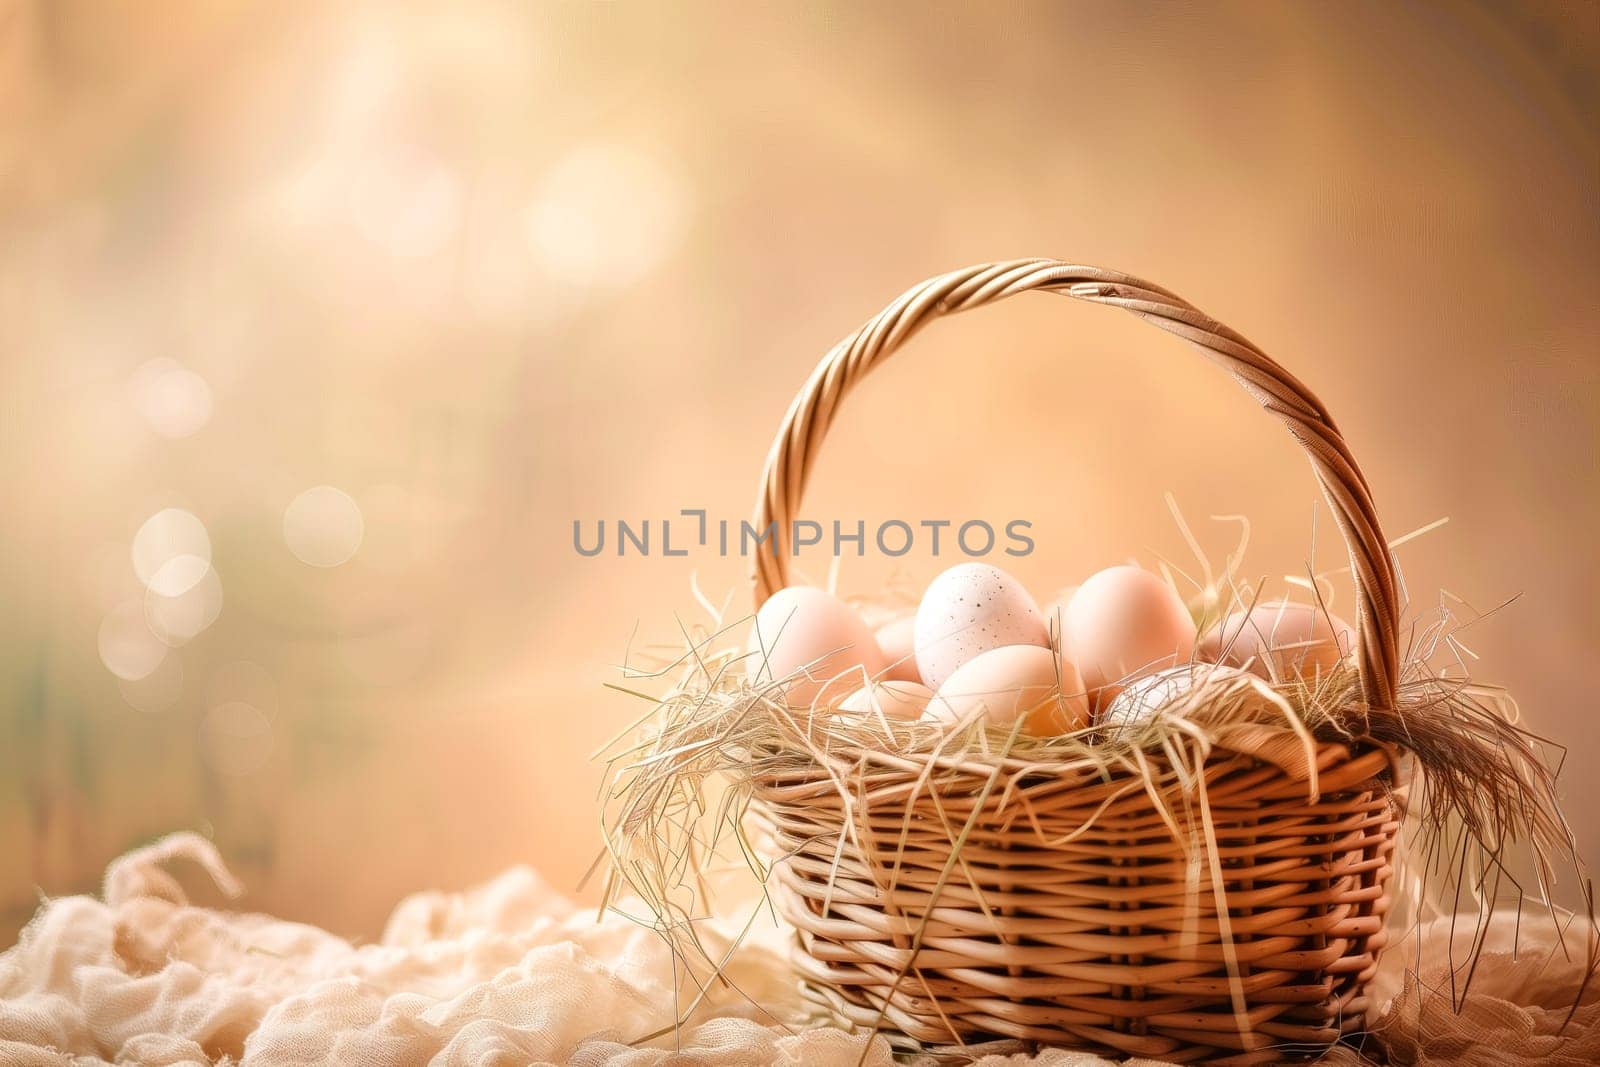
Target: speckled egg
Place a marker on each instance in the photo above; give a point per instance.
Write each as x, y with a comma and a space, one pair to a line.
813, 639
1014, 681
968, 610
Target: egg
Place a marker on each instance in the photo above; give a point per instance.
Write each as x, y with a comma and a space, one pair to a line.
897, 642
1054, 610
1139, 702
968, 610
800, 629
897, 700
1124, 622
1012, 681
1280, 641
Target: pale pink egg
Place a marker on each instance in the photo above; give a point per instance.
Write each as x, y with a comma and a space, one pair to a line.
897, 642
1054, 611
1015, 681
968, 610
1124, 622
1280, 641
813, 640
897, 700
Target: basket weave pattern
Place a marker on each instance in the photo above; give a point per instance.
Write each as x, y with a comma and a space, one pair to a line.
1103, 937
1072, 913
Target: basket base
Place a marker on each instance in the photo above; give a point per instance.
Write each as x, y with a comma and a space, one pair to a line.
837, 1011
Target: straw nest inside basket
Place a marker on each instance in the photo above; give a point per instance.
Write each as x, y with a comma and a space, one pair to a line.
681, 778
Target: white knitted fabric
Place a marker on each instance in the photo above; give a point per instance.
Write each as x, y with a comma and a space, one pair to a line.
513, 973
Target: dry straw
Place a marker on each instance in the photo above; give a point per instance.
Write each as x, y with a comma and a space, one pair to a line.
1216, 882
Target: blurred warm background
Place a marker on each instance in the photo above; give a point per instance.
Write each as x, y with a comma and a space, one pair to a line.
320, 324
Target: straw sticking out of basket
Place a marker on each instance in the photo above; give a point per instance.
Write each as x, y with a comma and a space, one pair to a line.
1213, 880
715, 744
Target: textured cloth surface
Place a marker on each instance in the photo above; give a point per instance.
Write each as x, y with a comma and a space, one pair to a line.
513, 973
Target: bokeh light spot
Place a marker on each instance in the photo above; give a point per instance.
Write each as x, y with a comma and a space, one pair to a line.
173, 399
180, 616
128, 647
166, 535
323, 526
178, 575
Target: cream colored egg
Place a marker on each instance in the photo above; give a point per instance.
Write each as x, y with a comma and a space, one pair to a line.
1280, 641
1014, 680
897, 642
813, 640
1143, 698
897, 700
968, 610
1124, 622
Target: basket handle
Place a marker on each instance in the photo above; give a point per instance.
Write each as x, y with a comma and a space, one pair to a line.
800, 437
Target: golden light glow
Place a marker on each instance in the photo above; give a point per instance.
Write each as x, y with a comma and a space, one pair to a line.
321, 323
607, 214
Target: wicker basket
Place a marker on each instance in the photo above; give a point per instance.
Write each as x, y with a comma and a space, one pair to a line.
1075, 916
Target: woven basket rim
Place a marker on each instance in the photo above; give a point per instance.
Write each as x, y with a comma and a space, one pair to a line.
1329, 753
